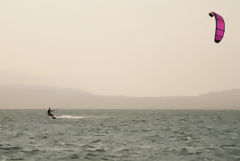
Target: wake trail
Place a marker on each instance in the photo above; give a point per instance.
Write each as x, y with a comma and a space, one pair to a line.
70, 117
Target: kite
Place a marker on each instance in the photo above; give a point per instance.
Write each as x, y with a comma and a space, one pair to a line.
220, 26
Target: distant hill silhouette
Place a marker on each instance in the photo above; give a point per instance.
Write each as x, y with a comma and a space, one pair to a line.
34, 97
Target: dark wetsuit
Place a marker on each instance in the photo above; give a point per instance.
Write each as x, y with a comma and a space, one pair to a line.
50, 114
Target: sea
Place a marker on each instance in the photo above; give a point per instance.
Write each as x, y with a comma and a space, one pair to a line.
122, 135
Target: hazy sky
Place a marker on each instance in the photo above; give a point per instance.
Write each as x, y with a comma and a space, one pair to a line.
120, 47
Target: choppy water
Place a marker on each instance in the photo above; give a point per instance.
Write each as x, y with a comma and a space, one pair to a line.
120, 135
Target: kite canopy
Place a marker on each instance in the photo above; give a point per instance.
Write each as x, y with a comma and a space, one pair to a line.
220, 26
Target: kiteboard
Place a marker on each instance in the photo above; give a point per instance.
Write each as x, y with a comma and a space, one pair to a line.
52, 116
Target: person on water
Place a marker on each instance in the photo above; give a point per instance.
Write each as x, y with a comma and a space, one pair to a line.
50, 113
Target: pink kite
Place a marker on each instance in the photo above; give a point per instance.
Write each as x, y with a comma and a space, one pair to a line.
220, 26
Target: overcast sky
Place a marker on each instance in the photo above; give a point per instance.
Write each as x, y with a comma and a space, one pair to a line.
120, 47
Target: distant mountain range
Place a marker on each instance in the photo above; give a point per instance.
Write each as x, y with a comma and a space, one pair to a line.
35, 97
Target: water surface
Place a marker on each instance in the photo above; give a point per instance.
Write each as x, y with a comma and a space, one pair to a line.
161, 135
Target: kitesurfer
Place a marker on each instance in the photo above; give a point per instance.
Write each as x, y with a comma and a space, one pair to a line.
50, 113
